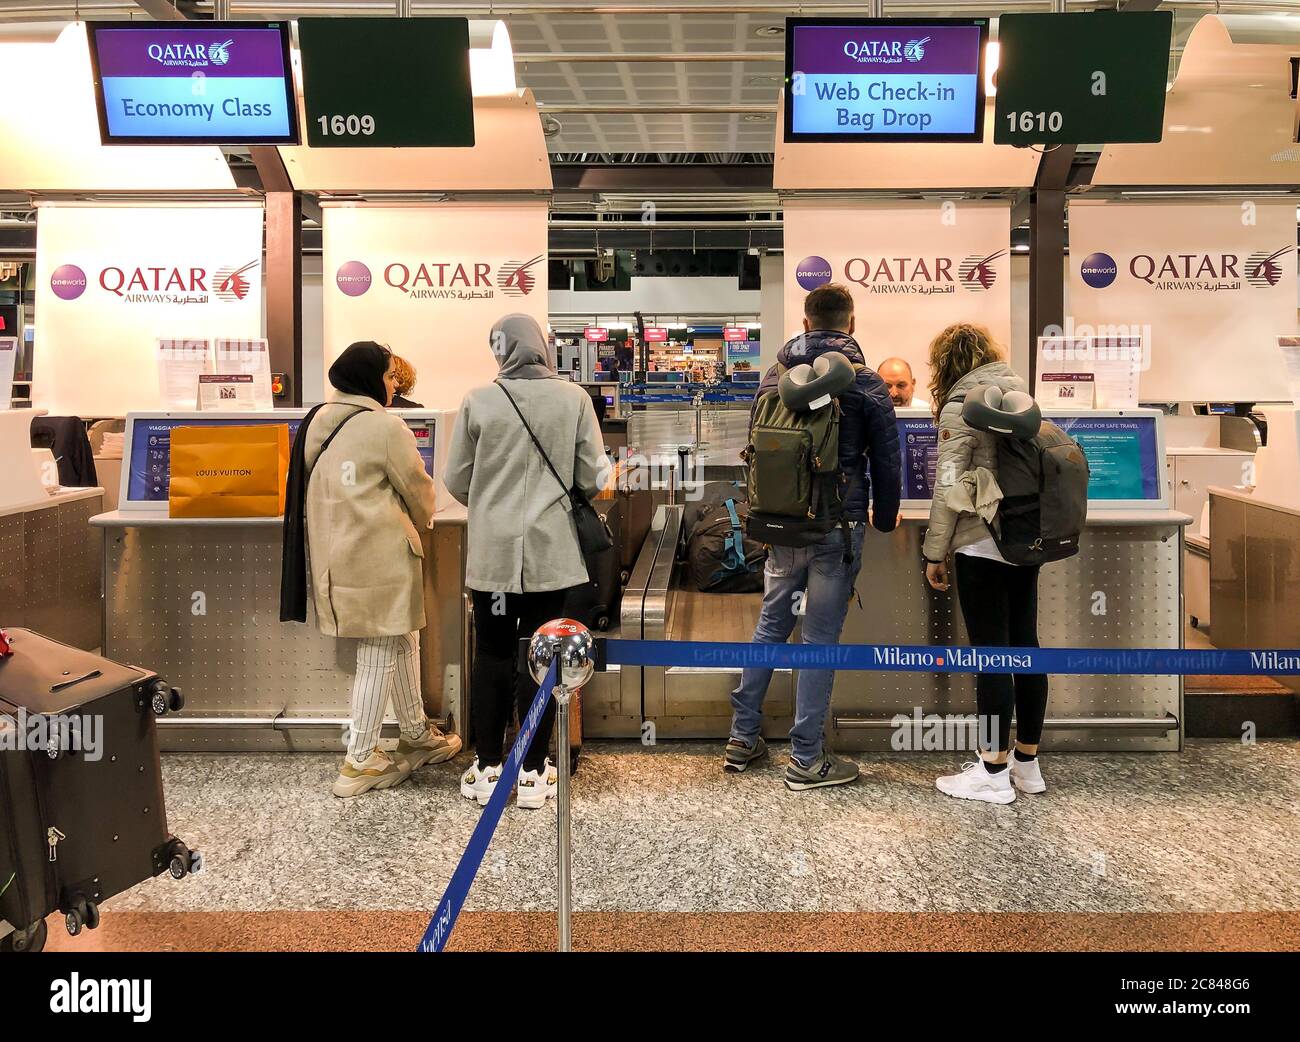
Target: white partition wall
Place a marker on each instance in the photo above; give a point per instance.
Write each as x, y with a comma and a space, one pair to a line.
429, 280
913, 268
1209, 284
112, 279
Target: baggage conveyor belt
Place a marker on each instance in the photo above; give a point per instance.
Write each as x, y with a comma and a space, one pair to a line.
1085, 712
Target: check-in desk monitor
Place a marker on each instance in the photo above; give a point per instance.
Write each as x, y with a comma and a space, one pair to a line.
1125, 450
147, 449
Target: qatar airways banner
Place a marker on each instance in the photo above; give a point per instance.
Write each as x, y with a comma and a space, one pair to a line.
430, 281
913, 268
112, 280
1208, 285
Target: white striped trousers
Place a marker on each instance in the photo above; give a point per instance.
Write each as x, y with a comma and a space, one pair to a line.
386, 667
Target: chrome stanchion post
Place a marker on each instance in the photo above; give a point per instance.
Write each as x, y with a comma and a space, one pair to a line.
570, 645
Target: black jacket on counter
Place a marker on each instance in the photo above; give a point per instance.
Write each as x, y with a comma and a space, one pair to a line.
65, 436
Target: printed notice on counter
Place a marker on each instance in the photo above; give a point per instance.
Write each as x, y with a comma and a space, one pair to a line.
1115, 364
918, 441
8, 360
1074, 390
1289, 346
252, 357
218, 391
180, 364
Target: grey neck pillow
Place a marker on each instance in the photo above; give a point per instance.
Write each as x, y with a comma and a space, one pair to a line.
1014, 414
830, 374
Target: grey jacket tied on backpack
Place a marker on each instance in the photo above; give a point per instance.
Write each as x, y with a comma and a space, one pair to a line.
966, 492
521, 531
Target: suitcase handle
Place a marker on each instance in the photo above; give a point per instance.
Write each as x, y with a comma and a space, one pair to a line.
75, 680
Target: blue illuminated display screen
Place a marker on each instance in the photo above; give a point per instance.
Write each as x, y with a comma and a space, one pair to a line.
885, 80
1123, 456
151, 450
225, 83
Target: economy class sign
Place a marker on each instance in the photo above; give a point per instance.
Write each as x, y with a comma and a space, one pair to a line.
223, 84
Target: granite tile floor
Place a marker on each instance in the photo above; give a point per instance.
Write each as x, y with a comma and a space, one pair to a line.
663, 829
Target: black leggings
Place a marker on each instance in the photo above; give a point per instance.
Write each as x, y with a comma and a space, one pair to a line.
1000, 605
500, 620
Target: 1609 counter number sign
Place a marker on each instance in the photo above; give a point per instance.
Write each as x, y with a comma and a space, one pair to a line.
347, 126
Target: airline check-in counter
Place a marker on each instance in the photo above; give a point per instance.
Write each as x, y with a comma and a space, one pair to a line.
1123, 589
199, 599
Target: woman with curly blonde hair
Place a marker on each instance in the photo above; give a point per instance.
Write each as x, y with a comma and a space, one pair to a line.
999, 600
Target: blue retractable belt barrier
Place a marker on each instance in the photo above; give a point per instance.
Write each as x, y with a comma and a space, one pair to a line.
453, 899
920, 658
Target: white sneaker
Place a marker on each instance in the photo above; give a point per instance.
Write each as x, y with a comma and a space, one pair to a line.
478, 783
976, 783
1026, 775
532, 791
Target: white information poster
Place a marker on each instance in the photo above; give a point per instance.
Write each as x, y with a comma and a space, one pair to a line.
222, 391
1112, 365
913, 269
8, 359
180, 364
1288, 345
112, 280
1208, 285
248, 356
429, 281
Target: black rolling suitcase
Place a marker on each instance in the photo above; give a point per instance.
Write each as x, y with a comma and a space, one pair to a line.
596, 602
82, 816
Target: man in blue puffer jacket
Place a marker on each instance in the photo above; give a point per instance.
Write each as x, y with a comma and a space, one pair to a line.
818, 575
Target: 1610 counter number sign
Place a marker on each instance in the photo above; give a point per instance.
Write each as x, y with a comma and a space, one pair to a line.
1028, 122
347, 126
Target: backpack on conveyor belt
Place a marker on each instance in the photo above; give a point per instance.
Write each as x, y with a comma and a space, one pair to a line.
722, 558
796, 486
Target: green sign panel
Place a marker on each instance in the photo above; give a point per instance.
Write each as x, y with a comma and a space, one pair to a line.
1074, 78
386, 82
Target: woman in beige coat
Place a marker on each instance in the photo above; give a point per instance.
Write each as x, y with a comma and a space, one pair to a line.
999, 600
367, 498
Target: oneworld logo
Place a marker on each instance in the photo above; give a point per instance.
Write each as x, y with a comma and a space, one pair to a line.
353, 278
191, 55
68, 282
813, 271
1098, 270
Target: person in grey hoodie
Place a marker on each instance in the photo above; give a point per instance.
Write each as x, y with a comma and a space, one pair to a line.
999, 600
524, 554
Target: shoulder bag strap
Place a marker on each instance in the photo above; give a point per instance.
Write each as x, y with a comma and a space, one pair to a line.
540, 450
334, 433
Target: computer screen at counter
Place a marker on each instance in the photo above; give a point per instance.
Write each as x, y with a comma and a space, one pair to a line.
1124, 453
148, 446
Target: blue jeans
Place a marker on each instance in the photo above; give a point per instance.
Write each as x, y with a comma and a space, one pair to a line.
821, 571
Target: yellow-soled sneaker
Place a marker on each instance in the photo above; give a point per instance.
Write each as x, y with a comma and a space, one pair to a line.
432, 747
378, 772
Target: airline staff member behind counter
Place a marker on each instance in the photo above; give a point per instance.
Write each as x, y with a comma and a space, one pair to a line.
898, 378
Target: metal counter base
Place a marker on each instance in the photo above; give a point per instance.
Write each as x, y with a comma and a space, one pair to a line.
1123, 590
200, 603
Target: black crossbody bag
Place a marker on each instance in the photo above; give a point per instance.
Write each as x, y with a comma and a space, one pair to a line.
593, 533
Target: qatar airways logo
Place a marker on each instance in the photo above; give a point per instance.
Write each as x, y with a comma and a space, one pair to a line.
1192, 272
160, 284
924, 276
885, 52
460, 280
191, 55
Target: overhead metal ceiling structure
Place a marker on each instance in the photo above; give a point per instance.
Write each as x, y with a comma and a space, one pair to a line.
635, 77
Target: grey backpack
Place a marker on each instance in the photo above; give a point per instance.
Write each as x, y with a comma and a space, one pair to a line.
1044, 481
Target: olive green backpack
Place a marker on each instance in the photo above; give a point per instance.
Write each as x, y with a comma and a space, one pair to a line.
796, 487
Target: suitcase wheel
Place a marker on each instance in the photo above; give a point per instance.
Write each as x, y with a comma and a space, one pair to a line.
32, 939
184, 861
